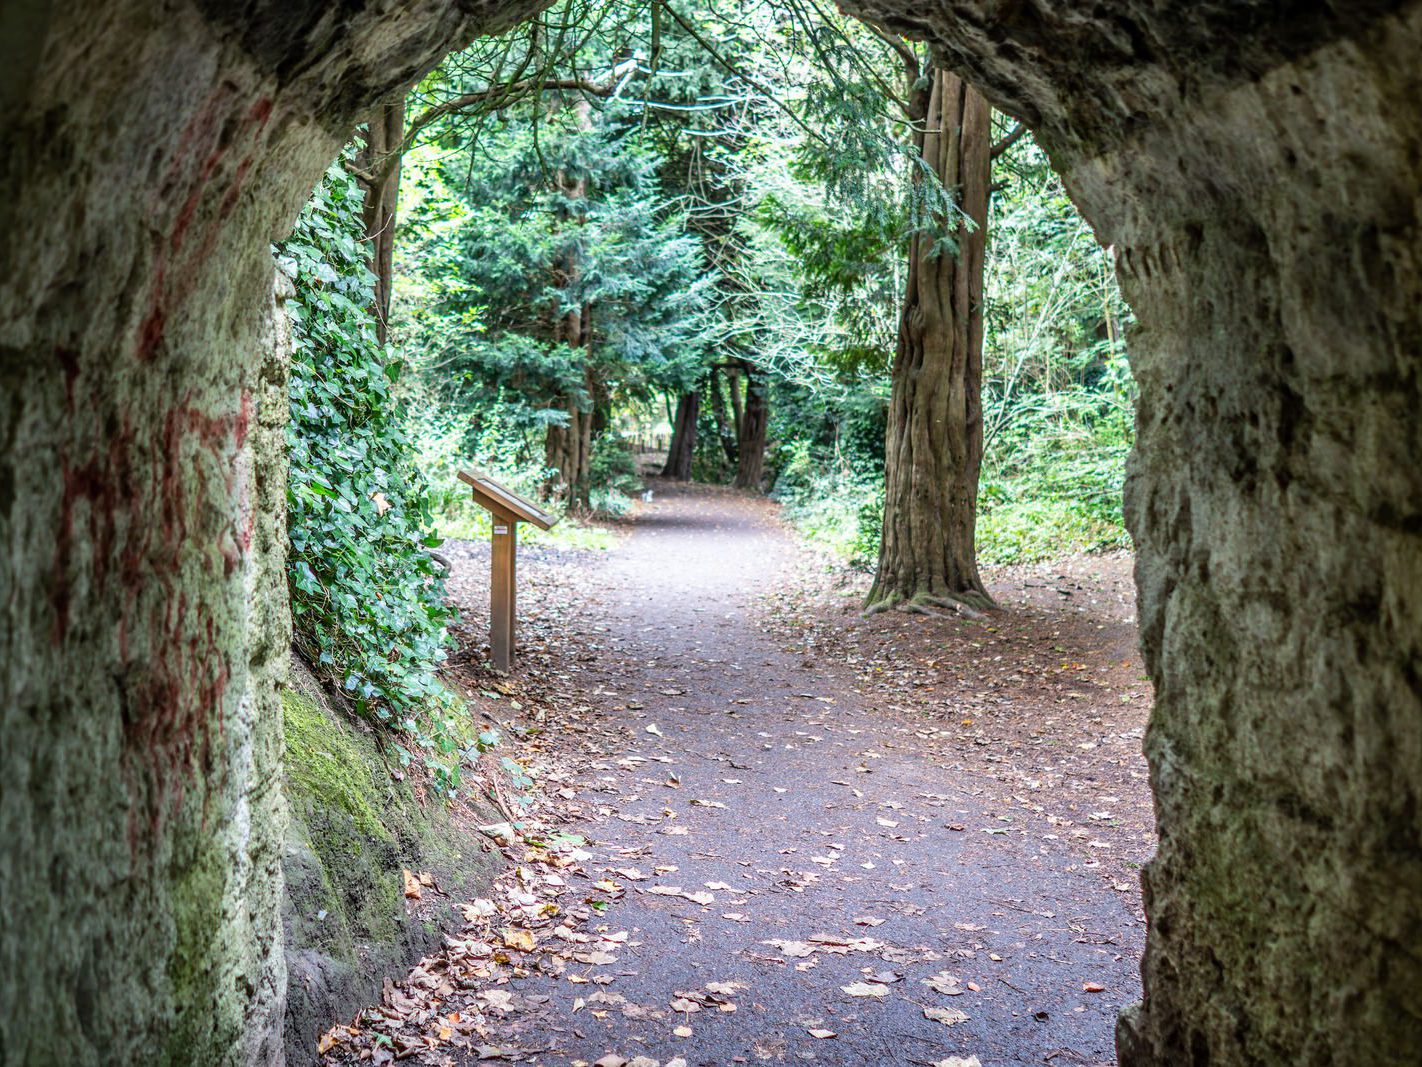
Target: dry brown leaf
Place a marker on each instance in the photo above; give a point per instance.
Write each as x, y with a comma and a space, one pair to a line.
950, 985
519, 938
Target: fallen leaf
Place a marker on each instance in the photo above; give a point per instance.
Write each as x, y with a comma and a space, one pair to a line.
946, 1016
865, 989
519, 938
412, 885
950, 985
792, 948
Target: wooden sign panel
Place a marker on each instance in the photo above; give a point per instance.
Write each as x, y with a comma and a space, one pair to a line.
501, 501
508, 510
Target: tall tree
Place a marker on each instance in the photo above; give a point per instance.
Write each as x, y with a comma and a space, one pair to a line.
934, 440
568, 443
683, 440
379, 173
751, 430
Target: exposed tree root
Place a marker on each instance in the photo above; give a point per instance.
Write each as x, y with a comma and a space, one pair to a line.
968, 605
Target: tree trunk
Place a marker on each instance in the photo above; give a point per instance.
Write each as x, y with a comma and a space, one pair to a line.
380, 158
750, 446
725, 430
733, 385
683, 442
934, 440
567, 451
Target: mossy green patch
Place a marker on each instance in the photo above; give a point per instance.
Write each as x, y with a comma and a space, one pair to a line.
353, 828
325, 763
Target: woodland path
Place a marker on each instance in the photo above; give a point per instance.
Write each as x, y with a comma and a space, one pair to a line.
770, 774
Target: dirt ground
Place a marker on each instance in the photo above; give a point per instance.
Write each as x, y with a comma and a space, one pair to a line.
768, 829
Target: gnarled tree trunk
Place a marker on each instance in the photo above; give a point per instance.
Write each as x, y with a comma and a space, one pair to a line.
934, 440
683, 440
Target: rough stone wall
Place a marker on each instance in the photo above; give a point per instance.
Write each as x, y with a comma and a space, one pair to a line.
1255, 164
1258, 169
150, 154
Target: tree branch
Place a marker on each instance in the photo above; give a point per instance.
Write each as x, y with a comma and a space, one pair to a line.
912, 68
1008, 141
503, 94
735, 71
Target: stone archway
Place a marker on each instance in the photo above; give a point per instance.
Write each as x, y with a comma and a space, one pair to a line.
1255, 165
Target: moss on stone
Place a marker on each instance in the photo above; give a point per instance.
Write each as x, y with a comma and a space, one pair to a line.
353, 829
326, 764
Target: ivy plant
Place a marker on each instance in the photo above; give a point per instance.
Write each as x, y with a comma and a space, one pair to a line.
368, 602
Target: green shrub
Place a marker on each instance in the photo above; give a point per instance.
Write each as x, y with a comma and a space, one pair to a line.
612, 470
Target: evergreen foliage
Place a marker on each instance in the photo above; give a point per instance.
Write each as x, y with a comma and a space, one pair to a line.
501, 252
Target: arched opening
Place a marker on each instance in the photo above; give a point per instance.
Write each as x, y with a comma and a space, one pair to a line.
1254, 166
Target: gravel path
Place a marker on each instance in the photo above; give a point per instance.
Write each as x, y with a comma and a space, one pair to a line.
845, 895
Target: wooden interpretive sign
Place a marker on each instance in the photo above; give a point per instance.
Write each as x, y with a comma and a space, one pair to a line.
507, 509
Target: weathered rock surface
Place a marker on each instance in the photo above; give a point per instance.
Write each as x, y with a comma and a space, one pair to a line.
150, 154
1258, 169
1256, 166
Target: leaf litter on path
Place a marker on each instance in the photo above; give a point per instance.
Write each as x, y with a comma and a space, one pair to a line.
592, 736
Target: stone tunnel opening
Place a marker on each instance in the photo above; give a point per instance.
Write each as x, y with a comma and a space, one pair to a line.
1255, 164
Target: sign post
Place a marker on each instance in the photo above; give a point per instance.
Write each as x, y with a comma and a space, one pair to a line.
506, 510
